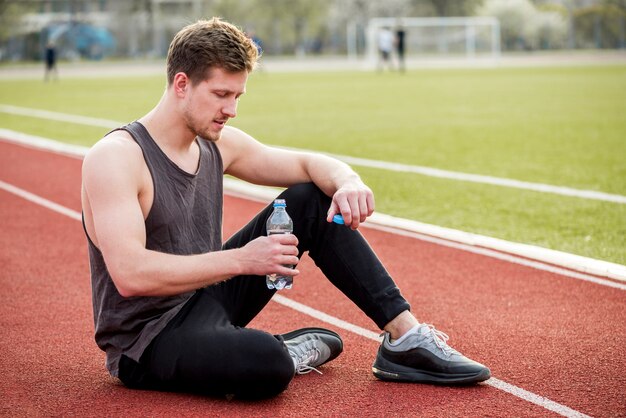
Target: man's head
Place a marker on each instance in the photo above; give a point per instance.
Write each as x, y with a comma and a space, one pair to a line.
208, 44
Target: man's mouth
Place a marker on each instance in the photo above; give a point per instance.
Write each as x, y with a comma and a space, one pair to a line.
220, 121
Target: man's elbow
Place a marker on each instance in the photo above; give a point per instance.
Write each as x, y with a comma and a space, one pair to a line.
126, 291
127, 281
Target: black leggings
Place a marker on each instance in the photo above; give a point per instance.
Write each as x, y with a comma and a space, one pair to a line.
206, 348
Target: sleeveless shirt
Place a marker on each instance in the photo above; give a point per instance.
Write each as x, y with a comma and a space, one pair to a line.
185, 218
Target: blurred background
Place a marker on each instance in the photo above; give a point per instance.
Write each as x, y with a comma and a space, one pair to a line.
525, 90
140, 29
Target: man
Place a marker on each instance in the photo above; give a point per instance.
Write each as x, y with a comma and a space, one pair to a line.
171, 302
385, 47
400, 47
51, 60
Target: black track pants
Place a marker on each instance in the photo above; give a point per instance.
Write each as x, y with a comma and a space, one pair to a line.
206, 348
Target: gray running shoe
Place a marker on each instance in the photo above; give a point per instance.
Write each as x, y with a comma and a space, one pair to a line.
312, 347
425, 357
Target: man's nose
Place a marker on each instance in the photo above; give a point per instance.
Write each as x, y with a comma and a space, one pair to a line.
230, 109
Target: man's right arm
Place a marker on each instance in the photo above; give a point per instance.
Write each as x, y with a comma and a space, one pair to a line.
113, 181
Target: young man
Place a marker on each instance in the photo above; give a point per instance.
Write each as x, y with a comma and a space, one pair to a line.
385, 47
171, 302
51, 62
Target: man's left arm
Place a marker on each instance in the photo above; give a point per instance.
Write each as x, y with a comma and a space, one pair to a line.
249, 160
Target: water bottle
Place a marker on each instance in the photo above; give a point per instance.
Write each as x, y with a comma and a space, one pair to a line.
279, 222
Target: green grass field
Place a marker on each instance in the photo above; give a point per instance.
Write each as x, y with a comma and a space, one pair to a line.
560, 126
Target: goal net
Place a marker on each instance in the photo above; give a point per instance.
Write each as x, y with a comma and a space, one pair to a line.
445, 37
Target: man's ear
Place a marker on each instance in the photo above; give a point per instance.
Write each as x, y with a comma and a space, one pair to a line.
181, 83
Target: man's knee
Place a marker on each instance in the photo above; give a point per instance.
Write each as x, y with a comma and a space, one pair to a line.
306, 195
302, 191
268, 372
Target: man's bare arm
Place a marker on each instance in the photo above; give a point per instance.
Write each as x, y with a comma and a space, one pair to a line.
112, 182
249, 160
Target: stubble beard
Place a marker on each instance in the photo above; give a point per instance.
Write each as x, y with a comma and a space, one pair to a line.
209, 135
202, 132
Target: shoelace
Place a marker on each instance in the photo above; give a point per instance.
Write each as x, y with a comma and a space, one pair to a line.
305, 358
440, 339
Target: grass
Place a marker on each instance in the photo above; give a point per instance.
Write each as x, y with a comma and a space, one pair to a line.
561, 126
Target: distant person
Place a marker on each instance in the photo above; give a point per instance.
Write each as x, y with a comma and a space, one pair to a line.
258, 43
51, 62
172, 302
385, 48
400, 47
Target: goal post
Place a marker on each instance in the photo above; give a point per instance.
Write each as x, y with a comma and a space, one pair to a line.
471, 37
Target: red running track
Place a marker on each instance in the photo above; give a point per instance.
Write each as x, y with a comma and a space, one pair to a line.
557, 337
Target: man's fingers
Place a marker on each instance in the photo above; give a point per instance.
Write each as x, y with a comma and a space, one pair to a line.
284, 239
363, 208
332, 211
287, 271
371, 204
354, 205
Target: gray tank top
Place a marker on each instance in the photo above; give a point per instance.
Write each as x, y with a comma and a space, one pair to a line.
185, 218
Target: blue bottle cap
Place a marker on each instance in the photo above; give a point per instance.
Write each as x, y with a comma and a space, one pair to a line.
338, 219
279, 203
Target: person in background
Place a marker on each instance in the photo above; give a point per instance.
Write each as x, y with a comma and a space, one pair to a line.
51, 62
172, 302
385, 48
400, 47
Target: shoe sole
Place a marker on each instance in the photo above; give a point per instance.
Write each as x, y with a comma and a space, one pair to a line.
405, 374
298, 332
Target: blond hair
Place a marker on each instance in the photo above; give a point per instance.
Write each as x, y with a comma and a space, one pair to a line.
205, 44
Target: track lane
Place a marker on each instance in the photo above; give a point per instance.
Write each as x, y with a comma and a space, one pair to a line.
51, 366
551, 335
446, 287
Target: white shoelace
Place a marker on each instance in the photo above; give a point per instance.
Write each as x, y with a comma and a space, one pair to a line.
440, 339
305, 358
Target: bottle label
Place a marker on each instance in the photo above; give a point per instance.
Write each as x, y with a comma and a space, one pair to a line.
277, 231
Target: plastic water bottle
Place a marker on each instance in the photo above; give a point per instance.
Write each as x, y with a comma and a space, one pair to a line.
279, 222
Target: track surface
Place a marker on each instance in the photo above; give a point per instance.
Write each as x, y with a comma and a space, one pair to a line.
555, 336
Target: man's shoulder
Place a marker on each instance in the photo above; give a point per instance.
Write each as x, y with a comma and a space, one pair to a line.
115, 141
116, 147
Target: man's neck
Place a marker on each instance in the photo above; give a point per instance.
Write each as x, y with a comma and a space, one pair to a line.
171, 134
167, 128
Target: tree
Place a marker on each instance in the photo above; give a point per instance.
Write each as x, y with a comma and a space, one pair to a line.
11, 14
523, 26
448, 8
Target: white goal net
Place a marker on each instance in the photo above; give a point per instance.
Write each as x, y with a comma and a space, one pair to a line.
445, 37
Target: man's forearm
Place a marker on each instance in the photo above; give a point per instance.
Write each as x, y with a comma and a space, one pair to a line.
160, 274
329, 174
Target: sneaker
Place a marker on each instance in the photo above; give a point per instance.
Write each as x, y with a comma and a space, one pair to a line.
311, 347
422, 355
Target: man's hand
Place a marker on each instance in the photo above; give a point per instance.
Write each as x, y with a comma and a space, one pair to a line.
271, 255
354, 201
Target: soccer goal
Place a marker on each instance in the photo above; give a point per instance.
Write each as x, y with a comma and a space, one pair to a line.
445, 37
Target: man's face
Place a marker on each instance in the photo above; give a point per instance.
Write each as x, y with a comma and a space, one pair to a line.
209, 104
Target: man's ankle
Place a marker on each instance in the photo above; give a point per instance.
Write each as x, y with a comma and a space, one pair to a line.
401, 324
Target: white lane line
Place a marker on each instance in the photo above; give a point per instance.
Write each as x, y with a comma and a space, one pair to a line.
40, 201
329, 319
505, 257
482, 179
363, 162
462, 240
496, 383
534, 398
46, 144
419, 230
58, 116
